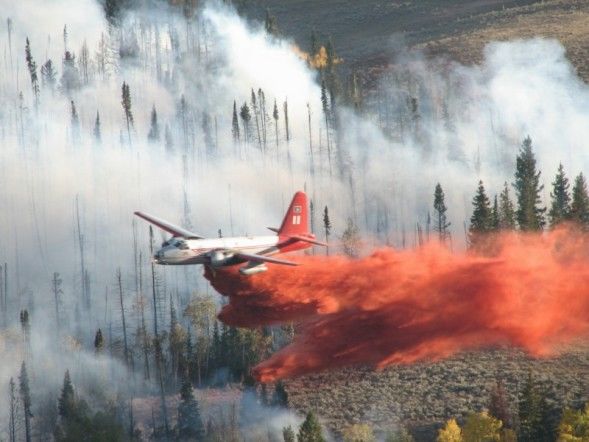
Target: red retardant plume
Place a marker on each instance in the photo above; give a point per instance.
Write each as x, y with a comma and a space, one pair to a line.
399, 307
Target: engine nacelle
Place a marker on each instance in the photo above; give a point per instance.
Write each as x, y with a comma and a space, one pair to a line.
252, 269
219, 258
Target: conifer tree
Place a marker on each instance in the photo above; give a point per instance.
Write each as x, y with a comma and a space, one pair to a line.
441, 223
326, 227
481, 219
190, 425
534, 425
70, 79
506, 210
12, 411
48, 75
97, 132
112, 9
276, 117
279, 397
67, 401
561, 198
25, 324
74, 119
256, 111
310, 430
98, 342
126, 103
32, 67
25, 396
580, 202
154, 128
270, 24
246, 117
288, 434
235, 124
530, 214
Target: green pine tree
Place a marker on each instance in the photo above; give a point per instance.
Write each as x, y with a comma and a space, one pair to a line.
288, 434
506, 210
481, 221
67, 400
154, 128
310, 430
190, 425
25, 396
280, 396
97, 132
441, 223
98, 342
580, 202
32, 66
235, 124
533, 414
561, 199
530, 213
246, 117
326, 227
127, 108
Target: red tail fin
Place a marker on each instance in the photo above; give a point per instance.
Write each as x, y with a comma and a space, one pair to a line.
296, 220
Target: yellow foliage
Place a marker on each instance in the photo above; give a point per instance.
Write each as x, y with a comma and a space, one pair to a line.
318, 60
359, 433
450, 433
480, 427
574, 426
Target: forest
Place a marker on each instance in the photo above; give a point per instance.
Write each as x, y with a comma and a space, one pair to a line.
196, 113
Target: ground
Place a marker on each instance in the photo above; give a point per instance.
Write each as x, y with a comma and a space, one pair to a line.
368, 33
424, 396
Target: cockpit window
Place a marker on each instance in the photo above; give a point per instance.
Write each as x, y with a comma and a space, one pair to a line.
181, 245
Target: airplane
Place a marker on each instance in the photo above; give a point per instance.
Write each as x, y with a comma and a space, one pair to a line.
188, 248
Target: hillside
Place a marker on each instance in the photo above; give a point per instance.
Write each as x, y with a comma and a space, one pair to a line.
367, 33
423, 396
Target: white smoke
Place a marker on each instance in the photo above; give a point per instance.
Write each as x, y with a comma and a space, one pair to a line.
521, 88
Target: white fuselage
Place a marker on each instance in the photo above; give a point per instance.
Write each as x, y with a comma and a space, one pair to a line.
215, 251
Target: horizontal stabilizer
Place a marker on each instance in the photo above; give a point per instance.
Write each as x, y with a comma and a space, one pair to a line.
274, 229
309, 240
168, 227
262, 258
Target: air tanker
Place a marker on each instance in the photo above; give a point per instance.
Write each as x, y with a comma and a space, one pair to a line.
188, 248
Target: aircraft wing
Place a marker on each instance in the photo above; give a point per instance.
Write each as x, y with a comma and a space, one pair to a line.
262, 258
168, 227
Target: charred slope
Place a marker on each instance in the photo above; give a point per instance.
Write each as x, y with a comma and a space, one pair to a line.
422, 397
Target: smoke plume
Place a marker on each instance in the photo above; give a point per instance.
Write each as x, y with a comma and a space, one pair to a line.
399, 307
